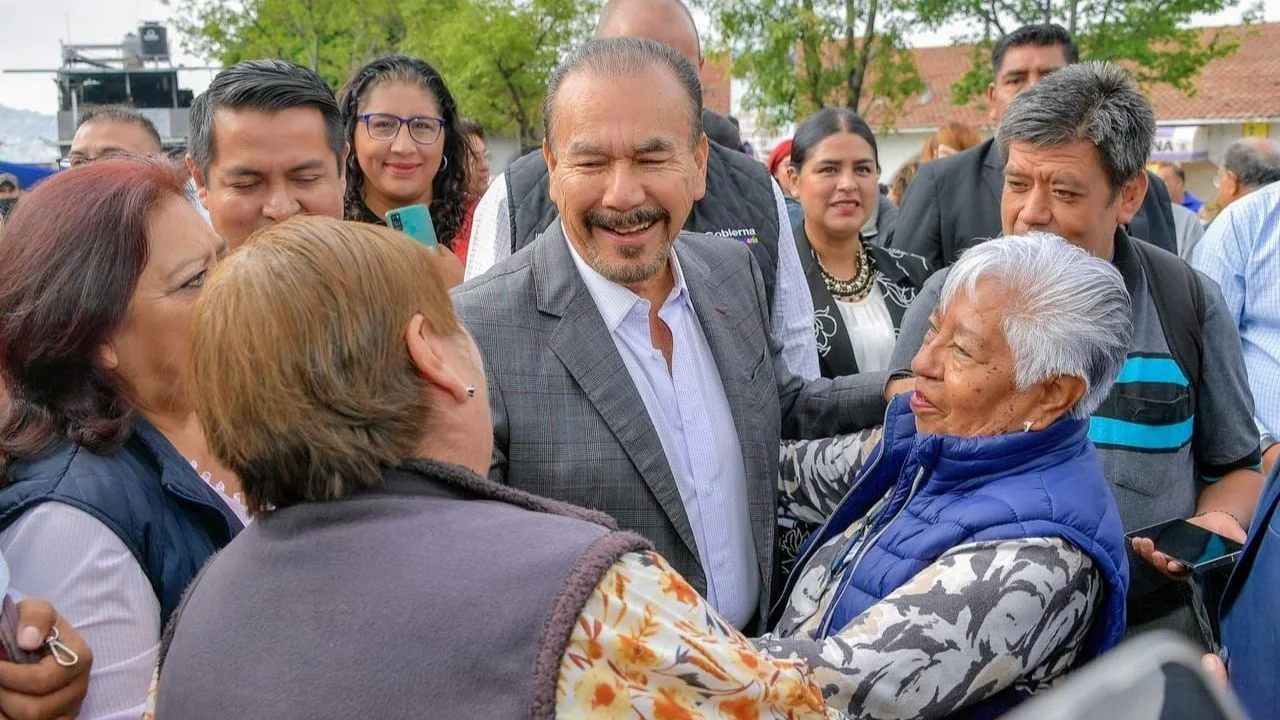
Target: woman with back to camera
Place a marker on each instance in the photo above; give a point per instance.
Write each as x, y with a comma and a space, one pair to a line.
338, 383
407, 147
110, 501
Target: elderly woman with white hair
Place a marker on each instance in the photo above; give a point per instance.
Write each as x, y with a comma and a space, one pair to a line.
978, 553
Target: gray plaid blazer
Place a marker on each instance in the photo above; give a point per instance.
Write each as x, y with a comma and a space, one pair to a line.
569, 423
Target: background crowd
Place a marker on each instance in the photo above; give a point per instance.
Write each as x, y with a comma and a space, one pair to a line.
657, 429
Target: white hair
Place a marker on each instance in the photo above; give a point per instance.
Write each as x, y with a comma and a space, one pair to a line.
1069, 313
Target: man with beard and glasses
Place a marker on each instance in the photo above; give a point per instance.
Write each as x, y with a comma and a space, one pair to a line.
631, 369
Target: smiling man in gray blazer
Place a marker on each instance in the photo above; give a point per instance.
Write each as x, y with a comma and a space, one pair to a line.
630, 364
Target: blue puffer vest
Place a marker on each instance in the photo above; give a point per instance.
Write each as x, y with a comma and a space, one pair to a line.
948, 491
145, 492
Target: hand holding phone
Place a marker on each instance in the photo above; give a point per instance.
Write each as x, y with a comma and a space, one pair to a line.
414, 221
1192, 546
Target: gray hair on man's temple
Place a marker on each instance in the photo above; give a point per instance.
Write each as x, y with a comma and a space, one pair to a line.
1069, 315
1255, 161
1094, 101
622, 56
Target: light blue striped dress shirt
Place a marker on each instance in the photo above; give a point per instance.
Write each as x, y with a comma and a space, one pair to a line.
1241, 252
689, 410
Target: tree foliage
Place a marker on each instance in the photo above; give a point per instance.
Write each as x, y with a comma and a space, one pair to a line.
801, 55
1151, 37
497, 55
332, 37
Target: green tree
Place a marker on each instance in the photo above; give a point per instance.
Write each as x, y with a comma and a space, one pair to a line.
332, 37
1151, 37
497, 55
801, 55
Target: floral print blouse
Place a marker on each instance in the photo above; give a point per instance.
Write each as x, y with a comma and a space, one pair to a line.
648, 647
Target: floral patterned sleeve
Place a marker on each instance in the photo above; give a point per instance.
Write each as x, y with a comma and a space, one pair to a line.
647, 646
984, 617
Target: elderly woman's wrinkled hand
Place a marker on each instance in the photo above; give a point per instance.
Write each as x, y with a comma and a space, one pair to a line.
45, 690
1215, 521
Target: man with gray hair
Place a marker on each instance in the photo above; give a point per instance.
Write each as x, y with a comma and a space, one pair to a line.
1176, 434
630, 364
954, 202
1247, 164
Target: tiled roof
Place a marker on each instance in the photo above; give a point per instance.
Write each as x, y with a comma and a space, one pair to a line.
1244, 85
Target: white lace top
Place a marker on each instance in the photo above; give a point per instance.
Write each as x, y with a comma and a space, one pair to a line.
234, 501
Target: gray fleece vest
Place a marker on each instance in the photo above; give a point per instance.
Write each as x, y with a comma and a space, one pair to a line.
739, 204
440, 595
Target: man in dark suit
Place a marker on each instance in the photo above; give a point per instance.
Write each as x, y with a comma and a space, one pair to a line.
954, 203
630, 364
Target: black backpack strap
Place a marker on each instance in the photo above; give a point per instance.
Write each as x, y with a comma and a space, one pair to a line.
1179, 299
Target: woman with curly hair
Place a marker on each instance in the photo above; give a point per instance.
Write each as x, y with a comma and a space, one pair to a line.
407, 146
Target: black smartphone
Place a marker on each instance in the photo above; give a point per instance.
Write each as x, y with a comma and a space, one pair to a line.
1190, 544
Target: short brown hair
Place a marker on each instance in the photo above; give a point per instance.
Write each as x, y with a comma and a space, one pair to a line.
302, 379
955, 135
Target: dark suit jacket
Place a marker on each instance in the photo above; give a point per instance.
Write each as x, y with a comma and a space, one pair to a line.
954, 204
569, 423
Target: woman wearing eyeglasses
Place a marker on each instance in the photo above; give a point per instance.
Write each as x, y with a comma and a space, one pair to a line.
407, 148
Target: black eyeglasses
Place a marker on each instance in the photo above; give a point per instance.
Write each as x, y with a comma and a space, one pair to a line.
384, 127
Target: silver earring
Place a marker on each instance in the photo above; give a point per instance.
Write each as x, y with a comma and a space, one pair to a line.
444, 165
471, 391
1026, 426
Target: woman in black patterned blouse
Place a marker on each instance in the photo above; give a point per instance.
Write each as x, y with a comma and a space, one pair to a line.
860, 290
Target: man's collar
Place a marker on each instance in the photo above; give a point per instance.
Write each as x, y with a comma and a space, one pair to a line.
613, 300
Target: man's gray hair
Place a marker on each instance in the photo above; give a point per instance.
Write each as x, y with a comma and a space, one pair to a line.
620, 57
1069, 313
1094, 101
1254, 161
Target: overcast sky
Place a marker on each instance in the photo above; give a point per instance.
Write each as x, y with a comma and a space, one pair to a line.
30, 31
